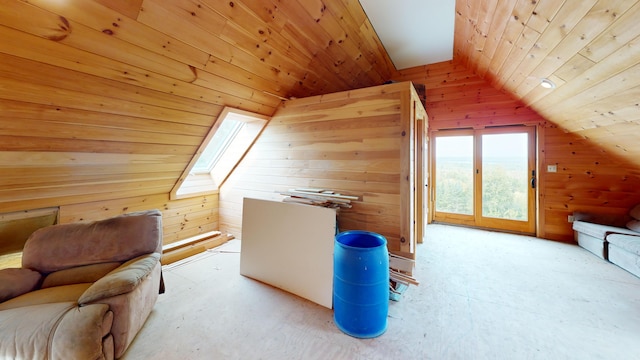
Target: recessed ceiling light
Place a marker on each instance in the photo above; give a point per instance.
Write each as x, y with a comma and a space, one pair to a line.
547, 84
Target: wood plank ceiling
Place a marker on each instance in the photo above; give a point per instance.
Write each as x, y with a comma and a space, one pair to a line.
588, 48
286, 48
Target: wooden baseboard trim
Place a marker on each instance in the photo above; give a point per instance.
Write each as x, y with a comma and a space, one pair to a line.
192, 246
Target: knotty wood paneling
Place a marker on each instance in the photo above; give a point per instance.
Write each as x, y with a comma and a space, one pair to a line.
103, 100
350, 142
181, 218
104, 103
588, 48
590, 178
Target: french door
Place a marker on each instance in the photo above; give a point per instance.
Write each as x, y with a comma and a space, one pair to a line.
485, 178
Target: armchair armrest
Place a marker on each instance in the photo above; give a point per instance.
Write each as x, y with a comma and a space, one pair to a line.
121, 280
17, 281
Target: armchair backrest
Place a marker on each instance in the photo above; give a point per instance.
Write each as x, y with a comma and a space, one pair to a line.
120, 238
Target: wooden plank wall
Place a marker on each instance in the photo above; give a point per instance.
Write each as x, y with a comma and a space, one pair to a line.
103, 103
348, 142
99, 125
589, 178
181, 218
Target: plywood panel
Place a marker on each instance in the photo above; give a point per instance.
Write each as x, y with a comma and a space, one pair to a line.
289, 246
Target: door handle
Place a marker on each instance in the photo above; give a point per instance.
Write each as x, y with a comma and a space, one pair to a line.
533, 179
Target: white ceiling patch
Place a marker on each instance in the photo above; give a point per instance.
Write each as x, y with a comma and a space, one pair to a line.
414, 32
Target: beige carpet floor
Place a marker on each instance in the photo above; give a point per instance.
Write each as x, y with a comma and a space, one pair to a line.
483, 295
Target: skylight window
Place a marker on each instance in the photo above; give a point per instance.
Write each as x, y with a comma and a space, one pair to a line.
220, 142
222, 149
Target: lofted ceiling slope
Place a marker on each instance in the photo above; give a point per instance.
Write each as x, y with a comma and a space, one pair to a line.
112, 98
256, 48
590, 49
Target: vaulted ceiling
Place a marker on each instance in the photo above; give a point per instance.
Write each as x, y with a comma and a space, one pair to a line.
589, 48
265, 50
256, 49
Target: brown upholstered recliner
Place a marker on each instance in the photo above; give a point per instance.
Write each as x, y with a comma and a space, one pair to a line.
84, 289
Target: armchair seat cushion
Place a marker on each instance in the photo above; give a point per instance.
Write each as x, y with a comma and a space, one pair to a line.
67, 293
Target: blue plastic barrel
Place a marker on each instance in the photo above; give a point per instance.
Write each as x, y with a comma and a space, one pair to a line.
360, 283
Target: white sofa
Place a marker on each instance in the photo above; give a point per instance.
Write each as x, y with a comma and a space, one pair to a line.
616, 244
624, 251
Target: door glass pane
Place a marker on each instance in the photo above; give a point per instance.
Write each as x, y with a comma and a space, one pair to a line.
505, 178
454, 174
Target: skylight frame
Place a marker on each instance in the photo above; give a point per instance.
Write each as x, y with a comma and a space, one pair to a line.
196, 183
227, 141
